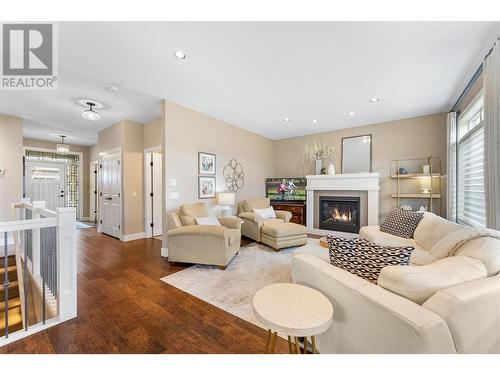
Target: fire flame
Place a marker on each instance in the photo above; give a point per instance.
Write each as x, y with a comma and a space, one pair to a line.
341, 216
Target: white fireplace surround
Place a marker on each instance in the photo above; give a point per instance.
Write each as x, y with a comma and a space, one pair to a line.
368, 182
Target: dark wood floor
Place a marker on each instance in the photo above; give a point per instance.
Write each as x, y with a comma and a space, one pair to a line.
123, 307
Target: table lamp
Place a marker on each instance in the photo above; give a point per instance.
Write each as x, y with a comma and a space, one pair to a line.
226, 200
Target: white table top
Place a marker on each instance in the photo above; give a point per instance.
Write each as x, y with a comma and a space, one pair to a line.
292, 309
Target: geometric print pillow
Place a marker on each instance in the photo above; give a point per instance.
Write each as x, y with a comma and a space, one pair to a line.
366, 259
401, 223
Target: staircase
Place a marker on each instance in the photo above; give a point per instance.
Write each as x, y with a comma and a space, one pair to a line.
15, 315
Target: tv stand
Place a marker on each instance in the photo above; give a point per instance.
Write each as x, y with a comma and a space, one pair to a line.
298, 210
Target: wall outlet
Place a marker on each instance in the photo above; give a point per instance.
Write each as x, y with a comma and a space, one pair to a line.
2, 171
174, 195
134, 193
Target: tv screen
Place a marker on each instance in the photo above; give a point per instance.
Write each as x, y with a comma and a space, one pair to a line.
287, 189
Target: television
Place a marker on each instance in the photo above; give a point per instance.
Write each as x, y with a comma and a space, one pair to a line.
286, 189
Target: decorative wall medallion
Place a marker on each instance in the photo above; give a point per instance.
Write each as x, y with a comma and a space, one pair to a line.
234, 176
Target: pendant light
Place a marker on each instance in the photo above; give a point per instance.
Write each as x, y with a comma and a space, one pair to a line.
90, 114
62, 148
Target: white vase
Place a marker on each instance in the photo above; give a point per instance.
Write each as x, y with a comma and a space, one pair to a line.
331, 169
317, 166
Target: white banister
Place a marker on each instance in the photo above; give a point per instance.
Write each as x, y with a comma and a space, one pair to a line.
66, 254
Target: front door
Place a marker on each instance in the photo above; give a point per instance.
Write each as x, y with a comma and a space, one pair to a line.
46, 182
110, 194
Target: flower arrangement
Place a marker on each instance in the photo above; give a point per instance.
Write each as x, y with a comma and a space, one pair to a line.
317, 151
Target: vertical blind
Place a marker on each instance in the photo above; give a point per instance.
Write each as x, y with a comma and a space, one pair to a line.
470, 170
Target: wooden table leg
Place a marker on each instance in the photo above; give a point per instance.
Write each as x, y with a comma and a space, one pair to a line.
290, 344
268, 341
313, 340
297, 347
305, 345
273, 341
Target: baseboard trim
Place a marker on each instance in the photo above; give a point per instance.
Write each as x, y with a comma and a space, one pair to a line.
164, 252
133, 236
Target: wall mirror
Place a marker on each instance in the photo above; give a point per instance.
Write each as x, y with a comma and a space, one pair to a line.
357, 154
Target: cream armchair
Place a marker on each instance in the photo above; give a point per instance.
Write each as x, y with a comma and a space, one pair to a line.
202, 244
252, 223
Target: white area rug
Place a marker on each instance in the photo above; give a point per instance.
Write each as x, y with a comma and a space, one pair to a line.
233, 289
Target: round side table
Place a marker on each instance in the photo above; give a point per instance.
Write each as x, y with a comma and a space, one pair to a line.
293, 310
323, 241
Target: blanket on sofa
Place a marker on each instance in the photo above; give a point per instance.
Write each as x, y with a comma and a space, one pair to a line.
452, 242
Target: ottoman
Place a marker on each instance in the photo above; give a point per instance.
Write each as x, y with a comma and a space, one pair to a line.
279, 235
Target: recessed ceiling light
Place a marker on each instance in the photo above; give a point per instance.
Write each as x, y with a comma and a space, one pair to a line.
374, 100
180, 55
315, 121
351, 113
287, 119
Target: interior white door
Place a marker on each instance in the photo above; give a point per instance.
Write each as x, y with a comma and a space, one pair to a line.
110, 194
157, 194
93, 190
46, 182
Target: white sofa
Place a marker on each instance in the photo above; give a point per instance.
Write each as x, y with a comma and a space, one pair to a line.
446, 301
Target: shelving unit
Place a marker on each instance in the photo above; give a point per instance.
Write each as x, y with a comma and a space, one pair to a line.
405, 188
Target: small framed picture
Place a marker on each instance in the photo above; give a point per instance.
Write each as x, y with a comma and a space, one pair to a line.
206, 187
206, 163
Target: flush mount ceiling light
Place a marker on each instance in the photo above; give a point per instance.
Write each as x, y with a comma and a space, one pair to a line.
179, 55
90, 114
62, 148
374, 100
286, 120
315, 121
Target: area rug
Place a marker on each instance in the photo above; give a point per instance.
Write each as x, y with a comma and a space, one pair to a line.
232, 290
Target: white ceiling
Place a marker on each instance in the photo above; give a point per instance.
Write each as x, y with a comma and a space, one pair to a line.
49, 113
255, 74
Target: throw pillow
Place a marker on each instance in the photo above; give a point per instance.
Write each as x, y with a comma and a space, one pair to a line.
366, 259
209, 220
401, 223
265, 213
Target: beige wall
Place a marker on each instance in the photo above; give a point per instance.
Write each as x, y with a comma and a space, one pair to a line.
153, 133
187, 132
410, 138
11, 161
85, 164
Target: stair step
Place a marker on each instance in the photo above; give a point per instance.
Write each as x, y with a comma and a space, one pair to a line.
13, 303
12, 273
11, 261
15, 320
13, 290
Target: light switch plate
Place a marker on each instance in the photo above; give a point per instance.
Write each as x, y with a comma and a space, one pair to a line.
174, 195
173, 182
2, 171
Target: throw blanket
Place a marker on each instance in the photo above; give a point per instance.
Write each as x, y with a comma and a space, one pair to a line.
449, 244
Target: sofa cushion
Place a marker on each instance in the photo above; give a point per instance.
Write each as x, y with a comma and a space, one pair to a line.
208, 220
431, 229
265, 213
364, 258
418, 283
401, 223
189, 213
485, 249
282, 229
249, 205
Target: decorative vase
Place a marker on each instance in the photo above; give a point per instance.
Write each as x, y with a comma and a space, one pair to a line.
317, 167
331, 169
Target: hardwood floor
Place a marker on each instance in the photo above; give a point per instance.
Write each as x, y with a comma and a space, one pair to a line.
123, 307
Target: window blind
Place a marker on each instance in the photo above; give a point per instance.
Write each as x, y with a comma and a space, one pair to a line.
470, 178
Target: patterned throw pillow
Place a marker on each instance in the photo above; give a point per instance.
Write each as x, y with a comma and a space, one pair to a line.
366, 259
401, 223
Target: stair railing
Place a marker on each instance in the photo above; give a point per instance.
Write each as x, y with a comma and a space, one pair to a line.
44, 245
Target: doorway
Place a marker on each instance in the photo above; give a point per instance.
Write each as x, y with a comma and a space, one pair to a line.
110, 188
93, 192
153, 191
45, 181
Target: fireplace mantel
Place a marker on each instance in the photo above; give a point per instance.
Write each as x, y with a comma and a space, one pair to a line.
368, 182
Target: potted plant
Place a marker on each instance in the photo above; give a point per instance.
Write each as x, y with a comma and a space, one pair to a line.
317, 152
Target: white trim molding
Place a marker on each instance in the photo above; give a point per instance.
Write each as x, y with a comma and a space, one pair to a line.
133, 236
164, 252
368, 182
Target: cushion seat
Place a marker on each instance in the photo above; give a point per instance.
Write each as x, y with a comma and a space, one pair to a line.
279, 235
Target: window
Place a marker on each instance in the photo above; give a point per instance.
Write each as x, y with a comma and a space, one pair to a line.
470, 166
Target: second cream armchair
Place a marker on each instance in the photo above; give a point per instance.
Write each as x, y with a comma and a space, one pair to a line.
252, 223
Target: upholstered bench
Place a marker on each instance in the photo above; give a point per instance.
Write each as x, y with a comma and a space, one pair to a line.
279, 235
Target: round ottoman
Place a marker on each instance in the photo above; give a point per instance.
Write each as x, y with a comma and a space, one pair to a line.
280, 235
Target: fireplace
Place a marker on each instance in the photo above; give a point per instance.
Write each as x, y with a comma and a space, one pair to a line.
339, 213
